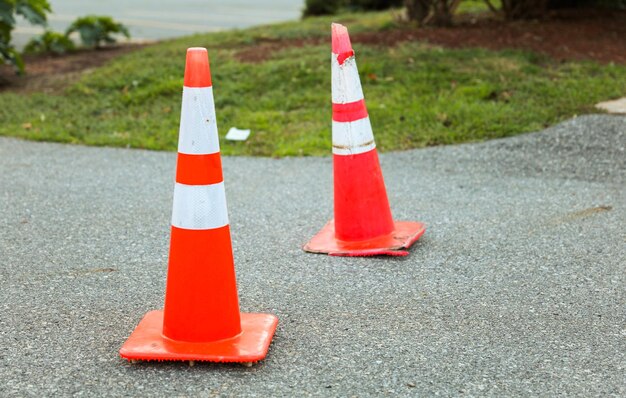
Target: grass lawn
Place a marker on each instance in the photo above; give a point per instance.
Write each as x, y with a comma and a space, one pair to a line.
266, 80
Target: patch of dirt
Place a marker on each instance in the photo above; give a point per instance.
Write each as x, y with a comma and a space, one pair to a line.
263, 49
581, 214
588, 212
53, 73
564, 35
95, 270
573, 35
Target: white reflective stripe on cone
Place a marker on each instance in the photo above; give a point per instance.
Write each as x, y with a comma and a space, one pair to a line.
198, 129
199, 206
352, 138
346, 84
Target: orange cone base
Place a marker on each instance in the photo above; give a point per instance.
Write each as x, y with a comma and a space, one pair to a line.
148, 343
404, 235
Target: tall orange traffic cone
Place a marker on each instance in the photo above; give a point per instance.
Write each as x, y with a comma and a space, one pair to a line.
201, 319
363, 225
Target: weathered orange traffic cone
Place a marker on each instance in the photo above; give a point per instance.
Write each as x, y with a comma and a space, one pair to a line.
201, 320
363, 225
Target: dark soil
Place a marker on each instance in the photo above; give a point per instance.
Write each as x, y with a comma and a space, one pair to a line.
578, 35
51, 73
564, 35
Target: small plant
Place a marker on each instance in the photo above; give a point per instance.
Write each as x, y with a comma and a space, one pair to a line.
97, 30
34, 11
321, 7
50, 42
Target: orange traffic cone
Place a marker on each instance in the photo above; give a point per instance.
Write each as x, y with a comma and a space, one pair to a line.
201, 319
363, 225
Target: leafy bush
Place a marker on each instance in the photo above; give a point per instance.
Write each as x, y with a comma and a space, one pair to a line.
519, 9
321, 7
34, 11
97, 30
367, 5
328, 7
615, 4
50, 42
437, 12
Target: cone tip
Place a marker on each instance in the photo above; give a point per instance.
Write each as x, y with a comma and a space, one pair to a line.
196, 49
197, 70
341, 42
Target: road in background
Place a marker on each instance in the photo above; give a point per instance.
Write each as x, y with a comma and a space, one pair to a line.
149, 20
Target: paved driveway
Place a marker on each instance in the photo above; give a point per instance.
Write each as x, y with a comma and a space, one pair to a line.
149, 20
518, 287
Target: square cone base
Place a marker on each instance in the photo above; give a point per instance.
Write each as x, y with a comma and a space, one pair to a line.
404, 235
148, 343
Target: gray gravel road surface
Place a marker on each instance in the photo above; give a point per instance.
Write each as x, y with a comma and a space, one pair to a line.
518, 287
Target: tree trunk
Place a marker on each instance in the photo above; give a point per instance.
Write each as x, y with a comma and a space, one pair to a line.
442, 15
436, 12
521, 9
418, 10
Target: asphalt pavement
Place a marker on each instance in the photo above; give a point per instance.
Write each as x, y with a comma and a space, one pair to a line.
518, 287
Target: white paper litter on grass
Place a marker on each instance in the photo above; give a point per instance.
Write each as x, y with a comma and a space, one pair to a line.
235, 134
616, 106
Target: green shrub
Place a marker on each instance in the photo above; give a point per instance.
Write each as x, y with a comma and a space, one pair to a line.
97, 30
50, 42
321, 7
371, 5
329, 7
615, 4
34, 11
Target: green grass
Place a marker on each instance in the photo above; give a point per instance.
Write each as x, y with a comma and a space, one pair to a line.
474, 6
417, 95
